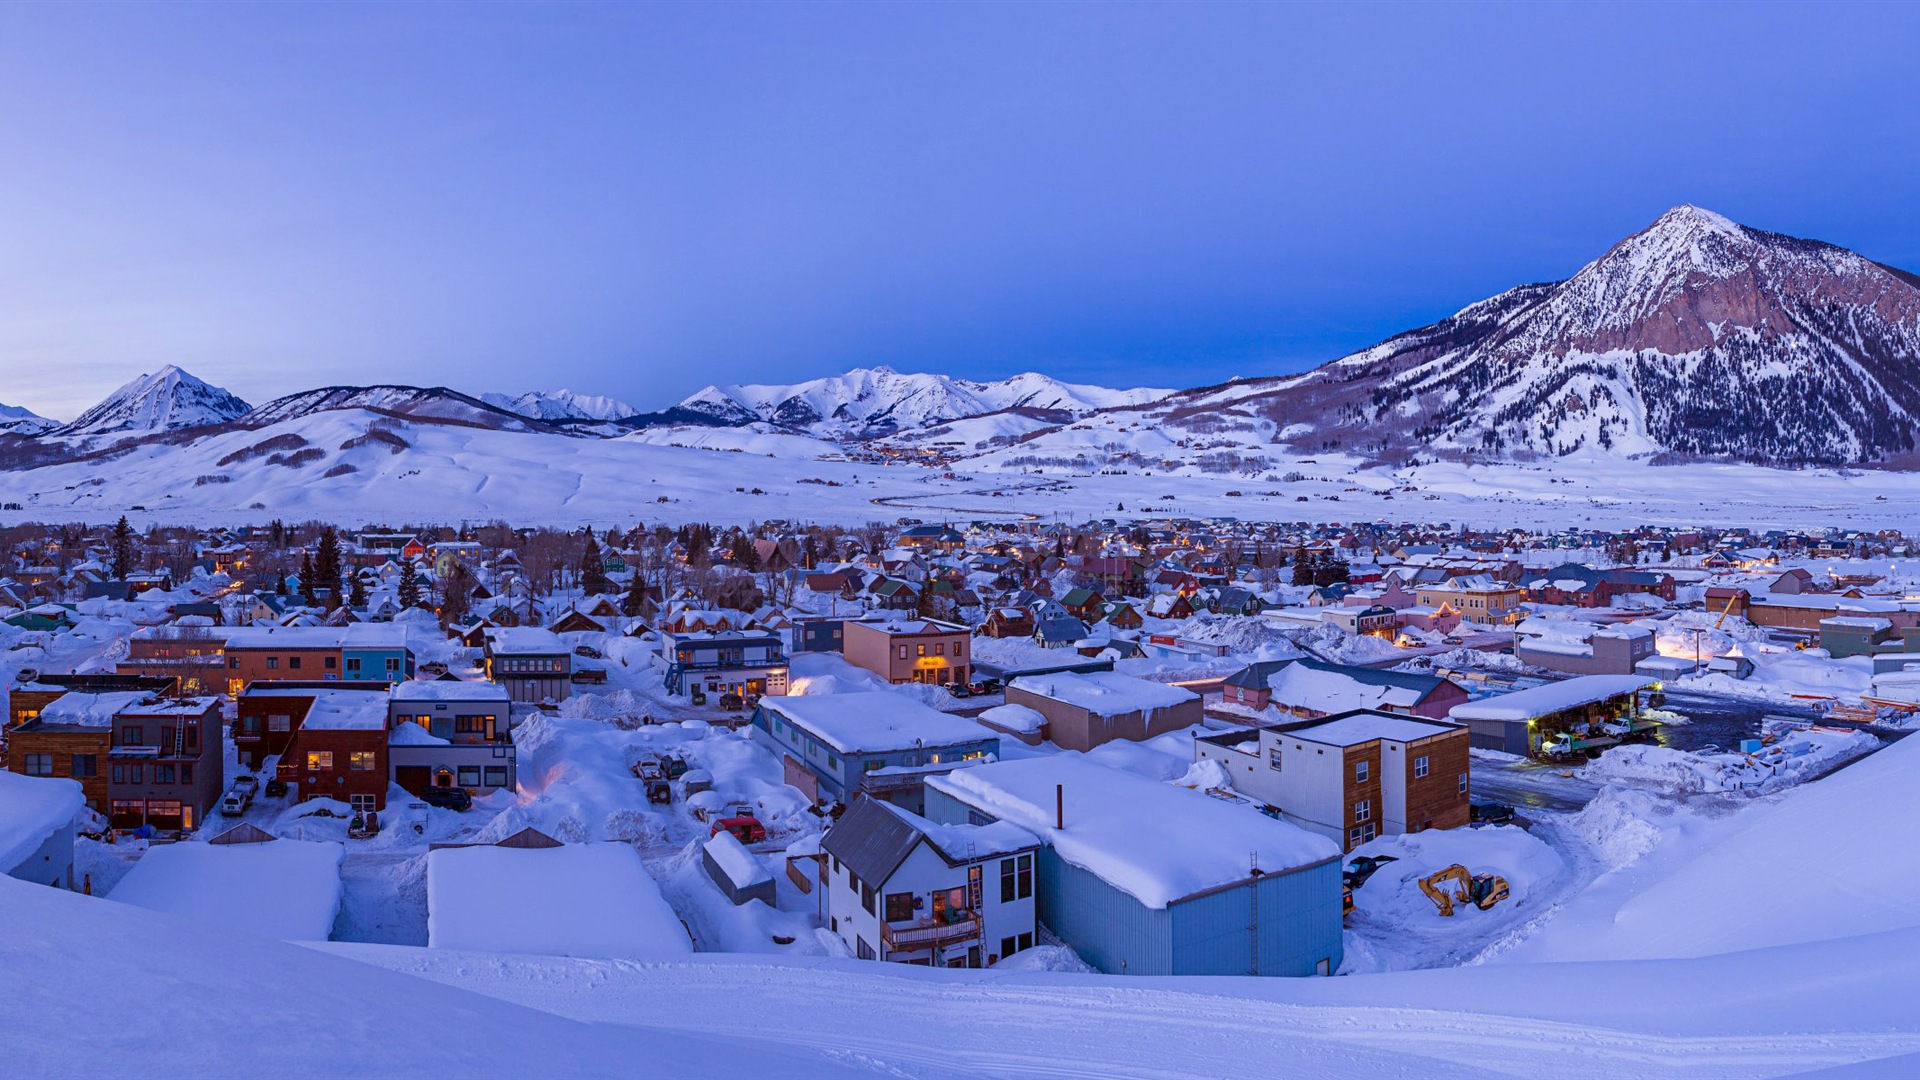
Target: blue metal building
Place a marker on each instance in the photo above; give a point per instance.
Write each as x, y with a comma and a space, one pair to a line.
1280, 915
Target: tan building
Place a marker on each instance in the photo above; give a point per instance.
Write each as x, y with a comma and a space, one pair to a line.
911, 650
1087, 709
1478, 599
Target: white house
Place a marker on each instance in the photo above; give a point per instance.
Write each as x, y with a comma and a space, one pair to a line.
37, 826
902, 888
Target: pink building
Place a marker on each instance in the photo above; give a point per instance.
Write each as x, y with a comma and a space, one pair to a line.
911, 650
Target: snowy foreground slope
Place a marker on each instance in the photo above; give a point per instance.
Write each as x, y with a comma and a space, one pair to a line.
1808, 943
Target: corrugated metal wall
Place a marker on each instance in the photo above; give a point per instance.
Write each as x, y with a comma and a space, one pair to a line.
1292, 921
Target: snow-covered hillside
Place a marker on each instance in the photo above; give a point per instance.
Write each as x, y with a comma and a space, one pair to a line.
879, 400
167, 400
561, 404
21, 421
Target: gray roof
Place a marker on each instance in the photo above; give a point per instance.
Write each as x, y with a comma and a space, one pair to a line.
871, 841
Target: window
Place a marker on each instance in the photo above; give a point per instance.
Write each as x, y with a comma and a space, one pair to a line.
867, 898
250, 725
132, 735
957, 647
1026, 941
1009, 946
470, 725
1360, 772
1273, 759
939, 648
233, 661
1463, 783
361, 761
186, 772
329, 663
319, 759
119, 774
469, 775
833, 760
1363, 810
273, 663
39, 764
353, 664
85, 765
293, 663
496, 776
899, 906
903, 652
863, 950
134, 773
193, 737
163, 774
393, 663
1008, 881
1419, 767
280, 723
1016, 879
1367, 833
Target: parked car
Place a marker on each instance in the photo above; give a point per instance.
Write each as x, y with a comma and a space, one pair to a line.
732, 702
960, 690
448, 798
1488, 812
276, 789
744, 829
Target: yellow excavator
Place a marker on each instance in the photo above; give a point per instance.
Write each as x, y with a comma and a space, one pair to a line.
1482, 891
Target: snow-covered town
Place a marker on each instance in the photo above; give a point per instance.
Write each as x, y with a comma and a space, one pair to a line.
1075, 749
947, 541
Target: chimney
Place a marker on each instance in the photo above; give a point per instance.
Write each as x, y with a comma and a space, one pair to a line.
1059, 806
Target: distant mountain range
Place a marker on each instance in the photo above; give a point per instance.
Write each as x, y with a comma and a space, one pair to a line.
1695, 338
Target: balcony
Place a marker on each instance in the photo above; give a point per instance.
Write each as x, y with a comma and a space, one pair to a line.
928, 934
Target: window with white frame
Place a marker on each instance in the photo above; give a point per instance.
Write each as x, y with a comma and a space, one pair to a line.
1363, 810
1419, 767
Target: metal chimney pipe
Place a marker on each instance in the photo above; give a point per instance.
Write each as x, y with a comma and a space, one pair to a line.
1059, 806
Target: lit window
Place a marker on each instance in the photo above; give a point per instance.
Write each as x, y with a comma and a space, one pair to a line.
361, 761
319, 759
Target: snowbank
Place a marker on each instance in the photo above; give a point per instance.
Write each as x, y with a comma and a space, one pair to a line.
1794, 759
32, 809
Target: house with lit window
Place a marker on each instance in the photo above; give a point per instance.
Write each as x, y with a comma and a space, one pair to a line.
533, 664
447, 734
1143, 877
911, 650
165, 767
901, 888
750, 663
1354, 776
357, 652
71, 737
884, 744
338, 748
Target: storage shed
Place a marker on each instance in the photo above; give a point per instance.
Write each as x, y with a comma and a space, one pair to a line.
739, 873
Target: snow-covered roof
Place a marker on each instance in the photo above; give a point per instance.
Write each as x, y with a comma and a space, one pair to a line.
1856, 622
31, 809
1015, 717
1105, 693
412, 734
593, 900
1551, 698
286, 889
524, 640
448, 690
1357, 728
1156, 842
967, 843
346, 710
875, 721
81, 709
741, 866
1323, 689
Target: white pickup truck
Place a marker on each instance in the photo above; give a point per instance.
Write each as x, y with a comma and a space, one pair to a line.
239, 796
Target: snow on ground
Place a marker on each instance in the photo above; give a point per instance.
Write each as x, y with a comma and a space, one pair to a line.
283, 889
1796, 757
1809, 865
1395, 926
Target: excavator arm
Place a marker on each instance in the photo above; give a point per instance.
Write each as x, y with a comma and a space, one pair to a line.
1444, 899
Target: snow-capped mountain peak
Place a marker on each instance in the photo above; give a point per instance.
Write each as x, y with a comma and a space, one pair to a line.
562, 404
15, 420
167, 400
880, 399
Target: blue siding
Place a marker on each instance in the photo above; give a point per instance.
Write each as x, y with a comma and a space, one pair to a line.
1279, 924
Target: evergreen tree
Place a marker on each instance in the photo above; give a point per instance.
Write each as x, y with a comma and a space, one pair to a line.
306, 577
122, 548
409, 585
326, 568
636, 595
593, 569
1303, 569
357, 596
